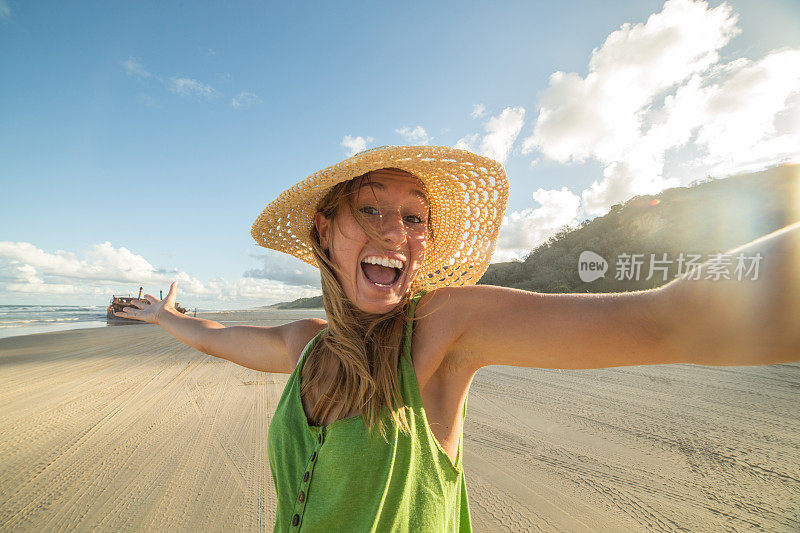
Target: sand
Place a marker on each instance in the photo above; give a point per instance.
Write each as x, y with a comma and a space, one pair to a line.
125, 428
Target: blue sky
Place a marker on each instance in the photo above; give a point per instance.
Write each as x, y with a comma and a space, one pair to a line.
139, 141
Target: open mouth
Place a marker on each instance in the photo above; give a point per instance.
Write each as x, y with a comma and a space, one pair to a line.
382, 272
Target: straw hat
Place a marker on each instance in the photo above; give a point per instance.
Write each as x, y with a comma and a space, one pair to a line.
467, 195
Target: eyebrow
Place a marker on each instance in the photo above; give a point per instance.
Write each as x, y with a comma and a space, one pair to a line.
381, 186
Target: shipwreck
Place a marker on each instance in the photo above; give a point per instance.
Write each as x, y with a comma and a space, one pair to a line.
118, 303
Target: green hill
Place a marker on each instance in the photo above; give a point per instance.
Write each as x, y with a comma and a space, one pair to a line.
302, 303
710, 217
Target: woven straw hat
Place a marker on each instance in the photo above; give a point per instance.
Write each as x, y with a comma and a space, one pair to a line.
467, 195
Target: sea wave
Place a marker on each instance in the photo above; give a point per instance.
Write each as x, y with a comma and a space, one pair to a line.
38, 321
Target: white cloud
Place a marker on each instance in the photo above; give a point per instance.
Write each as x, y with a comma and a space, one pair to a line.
600, 115
478, 110
244, 100
190, 88
611, 114
28, 270
467, 142
103, 263
180, 85
355, 144
415, 136
245, 291
526, 229
134, 68
752, 116
285, 268
501, 132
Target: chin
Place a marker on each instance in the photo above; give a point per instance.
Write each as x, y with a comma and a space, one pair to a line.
378, 307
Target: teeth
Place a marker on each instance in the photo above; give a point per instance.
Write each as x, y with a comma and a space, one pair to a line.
384, 261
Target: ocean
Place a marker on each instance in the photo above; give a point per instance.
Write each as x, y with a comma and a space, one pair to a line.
28, 319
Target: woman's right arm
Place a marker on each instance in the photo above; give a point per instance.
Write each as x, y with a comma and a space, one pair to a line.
268, 349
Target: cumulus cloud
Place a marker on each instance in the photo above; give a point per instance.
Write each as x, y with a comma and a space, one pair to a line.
467, 142
134, 68
478, 110
416, 135
285, 268
28, 270
600, 115
657, 86
103, 264
190, 88
355, 144
751, 116
524, 230
245, 99
501, 132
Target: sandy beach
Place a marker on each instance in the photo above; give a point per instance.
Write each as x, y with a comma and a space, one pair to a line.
125, 428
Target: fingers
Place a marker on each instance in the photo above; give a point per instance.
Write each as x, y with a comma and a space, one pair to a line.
152, 299
127, 312
173, 291
140, 304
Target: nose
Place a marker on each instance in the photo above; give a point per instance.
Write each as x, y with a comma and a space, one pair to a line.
391, 228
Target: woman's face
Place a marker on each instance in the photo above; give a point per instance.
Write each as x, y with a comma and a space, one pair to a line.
375, 273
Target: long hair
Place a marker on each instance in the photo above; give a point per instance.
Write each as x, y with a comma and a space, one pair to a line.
366, 346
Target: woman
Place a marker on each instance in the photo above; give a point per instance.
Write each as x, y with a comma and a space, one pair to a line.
367, 435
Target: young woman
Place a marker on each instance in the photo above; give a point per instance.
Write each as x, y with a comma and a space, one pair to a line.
367, 435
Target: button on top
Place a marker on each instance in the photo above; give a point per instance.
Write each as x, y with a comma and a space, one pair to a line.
301, 497
305, 476
295, 519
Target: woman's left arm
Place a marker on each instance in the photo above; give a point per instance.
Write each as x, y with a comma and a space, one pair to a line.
698, 321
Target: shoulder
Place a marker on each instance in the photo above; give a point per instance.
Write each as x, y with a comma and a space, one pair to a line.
440, 319
298, 334
450, 306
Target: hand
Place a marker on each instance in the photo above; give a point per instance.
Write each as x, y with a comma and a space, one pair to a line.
151, 308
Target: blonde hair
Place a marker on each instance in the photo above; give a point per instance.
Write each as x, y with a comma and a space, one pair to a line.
366, 346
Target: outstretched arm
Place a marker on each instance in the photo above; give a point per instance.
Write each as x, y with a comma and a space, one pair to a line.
737, 322
268, 349
699, 321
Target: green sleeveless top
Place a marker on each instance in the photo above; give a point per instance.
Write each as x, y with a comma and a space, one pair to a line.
341, 478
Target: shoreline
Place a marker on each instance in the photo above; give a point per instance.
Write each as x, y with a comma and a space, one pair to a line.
127, 428
252, 317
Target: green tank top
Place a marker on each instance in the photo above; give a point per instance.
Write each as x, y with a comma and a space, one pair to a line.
341, 478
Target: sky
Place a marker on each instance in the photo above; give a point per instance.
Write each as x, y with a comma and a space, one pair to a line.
140, 140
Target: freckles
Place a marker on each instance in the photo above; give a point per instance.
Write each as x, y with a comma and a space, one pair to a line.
421, 245
352, 231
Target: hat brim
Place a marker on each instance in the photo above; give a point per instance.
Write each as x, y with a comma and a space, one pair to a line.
467, 195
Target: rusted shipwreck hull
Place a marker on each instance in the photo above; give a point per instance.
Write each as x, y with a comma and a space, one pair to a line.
118, 303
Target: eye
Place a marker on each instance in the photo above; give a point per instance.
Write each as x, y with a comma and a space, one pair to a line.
413, 219
369, 210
